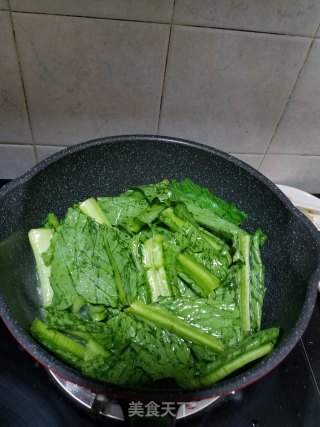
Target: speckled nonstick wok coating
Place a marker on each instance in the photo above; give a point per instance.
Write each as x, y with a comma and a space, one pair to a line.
110, 165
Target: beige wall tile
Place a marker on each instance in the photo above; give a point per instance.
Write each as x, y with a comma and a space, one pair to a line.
14, 125
253, 160
15, 160
44, 151
228, 89
4, 5
299, 130
139, 10
88, 78
299, 17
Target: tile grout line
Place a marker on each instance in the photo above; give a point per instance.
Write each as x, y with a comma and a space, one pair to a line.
165, 69
290, 96
243, 30
287, 154
22, 84
24, 144
165, 23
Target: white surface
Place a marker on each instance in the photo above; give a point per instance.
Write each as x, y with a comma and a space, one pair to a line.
301, 199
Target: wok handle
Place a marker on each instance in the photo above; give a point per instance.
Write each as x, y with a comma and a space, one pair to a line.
149, 415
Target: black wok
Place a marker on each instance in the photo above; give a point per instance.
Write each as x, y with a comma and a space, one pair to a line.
108, 166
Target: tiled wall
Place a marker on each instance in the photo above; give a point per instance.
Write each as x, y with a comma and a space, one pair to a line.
239, 75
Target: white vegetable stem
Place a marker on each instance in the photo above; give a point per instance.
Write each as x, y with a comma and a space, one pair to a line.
39, 239
91, 208
245, 283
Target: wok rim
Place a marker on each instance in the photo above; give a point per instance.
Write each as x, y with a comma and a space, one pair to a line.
254, 373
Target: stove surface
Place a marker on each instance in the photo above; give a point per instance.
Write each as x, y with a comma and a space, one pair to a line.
287, 397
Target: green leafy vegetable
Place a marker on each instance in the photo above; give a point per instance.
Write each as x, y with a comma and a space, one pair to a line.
203, 313
159, 352
250, 349
172, 323
195, 196
160, 282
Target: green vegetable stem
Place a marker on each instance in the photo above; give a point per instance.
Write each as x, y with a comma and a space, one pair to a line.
171, 322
